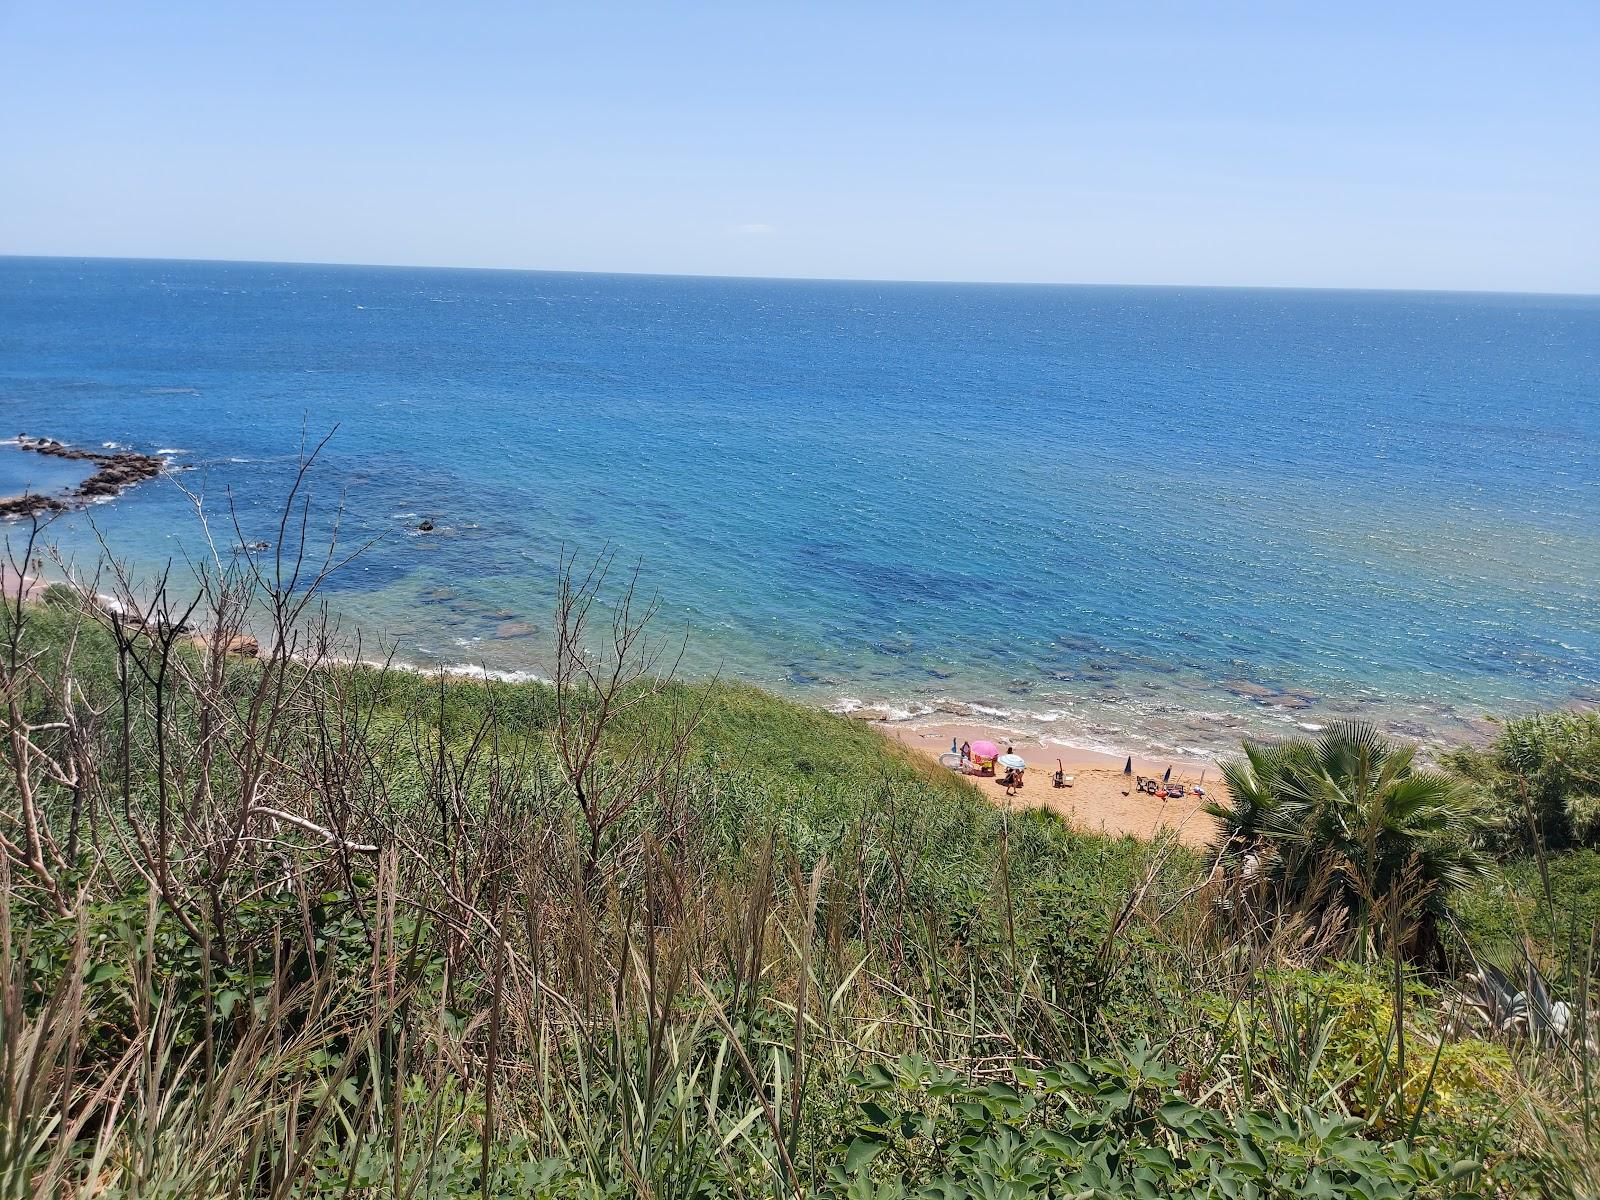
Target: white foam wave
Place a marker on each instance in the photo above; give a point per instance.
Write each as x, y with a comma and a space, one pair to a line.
987, 710
470, 671
170, 453
895, 712
888, 711
460, 670
1155, 730
1084, 742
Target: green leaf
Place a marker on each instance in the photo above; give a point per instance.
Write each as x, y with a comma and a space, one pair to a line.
1055, 1145
875, 1078
1178, 1114
876, 1115
861, 1152
1156, 1156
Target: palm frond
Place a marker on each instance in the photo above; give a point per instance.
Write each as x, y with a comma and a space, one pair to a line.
1353, 807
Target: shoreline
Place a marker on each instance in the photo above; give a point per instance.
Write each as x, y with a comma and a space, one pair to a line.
934, 739
1185, 732
1162, 720
1099, 798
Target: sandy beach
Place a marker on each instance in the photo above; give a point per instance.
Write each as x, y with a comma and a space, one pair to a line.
1100, 799
31, 586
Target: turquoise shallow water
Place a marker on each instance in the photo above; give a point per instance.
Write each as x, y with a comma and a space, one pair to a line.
1127, 517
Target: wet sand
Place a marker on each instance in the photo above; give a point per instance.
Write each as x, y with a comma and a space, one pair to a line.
1100, 799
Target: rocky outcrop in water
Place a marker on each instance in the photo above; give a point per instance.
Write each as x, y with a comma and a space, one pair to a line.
114, 473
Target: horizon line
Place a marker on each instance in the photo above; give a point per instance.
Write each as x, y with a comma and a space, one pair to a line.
862, 279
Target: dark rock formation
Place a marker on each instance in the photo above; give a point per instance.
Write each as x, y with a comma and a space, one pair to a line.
30, 505
114, 473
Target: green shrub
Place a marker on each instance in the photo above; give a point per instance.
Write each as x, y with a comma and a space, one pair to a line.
1107, 1127
1541, 777
59, 595
1511, 908
352, 1033
1349, 822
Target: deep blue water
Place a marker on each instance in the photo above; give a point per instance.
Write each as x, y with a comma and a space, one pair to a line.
1119, 513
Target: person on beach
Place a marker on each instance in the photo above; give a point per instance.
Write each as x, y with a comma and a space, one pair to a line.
1013, 774
966, 754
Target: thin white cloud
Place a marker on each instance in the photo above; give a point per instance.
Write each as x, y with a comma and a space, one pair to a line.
754, 229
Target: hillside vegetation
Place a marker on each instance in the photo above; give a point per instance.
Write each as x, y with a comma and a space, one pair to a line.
291, 927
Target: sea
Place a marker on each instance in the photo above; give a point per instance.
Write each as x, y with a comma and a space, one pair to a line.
1148, 519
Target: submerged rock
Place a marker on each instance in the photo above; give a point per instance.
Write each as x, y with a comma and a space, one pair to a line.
879, 715
1247, 689
30, 505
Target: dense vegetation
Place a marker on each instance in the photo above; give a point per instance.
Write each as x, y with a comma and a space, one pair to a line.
1539, 781
1348, 830
290, 926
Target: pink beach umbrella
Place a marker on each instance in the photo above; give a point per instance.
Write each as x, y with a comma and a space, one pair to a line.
984, 749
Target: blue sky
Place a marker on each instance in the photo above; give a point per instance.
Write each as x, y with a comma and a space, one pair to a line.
1329, 144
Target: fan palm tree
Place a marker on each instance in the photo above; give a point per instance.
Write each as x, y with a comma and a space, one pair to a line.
1348, 819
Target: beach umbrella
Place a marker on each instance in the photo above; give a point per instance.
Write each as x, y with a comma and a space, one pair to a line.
984, 749
1167, 778
1127, 767
1013, 762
